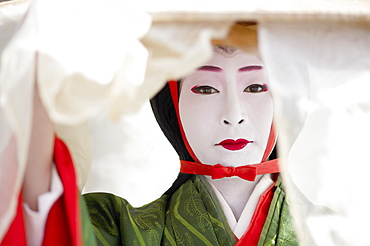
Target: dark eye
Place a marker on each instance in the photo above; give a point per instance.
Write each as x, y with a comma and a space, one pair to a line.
204, 89
256, 88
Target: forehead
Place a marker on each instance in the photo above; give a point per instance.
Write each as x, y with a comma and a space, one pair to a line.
232, 58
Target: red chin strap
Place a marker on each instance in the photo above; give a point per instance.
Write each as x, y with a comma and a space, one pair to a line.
247, 172
175, 99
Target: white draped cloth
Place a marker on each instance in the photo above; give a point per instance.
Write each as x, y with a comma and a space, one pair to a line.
320, 77
97, 61
89, 60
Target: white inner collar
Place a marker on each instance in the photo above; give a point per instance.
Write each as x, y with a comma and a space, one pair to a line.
241, 226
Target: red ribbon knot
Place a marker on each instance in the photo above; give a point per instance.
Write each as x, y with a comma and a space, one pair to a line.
219, 171
248, 172
245, 172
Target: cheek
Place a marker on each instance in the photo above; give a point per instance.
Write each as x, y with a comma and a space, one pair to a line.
196, 116
261, 114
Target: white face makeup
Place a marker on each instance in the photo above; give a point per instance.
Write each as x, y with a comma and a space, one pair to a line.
226, 109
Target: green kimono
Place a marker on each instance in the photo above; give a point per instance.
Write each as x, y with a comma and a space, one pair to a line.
190, 216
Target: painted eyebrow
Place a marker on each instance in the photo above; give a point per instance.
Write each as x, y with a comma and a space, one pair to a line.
250, 68
210, 68
217, 69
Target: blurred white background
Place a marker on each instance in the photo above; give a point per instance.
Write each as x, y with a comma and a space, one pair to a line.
131, 158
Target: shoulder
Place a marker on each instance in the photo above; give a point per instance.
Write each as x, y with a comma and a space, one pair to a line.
104, 210
104, 200
110, 208
116, 222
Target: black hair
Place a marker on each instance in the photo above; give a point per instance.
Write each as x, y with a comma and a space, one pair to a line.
165, 114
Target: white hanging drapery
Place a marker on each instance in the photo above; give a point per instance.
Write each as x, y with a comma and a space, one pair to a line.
320, 77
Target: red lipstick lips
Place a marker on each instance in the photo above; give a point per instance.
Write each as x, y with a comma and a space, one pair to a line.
233, 145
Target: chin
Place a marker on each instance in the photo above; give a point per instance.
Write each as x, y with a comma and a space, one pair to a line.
239, 159
233, 160
230, 158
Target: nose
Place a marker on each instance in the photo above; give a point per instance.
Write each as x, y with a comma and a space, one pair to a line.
233, 114
228, 122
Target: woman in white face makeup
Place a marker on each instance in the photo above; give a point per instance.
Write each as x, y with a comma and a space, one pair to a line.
226, 112
224, 139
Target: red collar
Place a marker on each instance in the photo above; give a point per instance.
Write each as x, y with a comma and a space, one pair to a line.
248, 172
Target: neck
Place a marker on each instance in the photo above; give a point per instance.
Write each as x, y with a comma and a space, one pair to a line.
236, 192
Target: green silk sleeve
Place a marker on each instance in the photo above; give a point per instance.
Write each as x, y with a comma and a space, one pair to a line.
116, 222
88, 235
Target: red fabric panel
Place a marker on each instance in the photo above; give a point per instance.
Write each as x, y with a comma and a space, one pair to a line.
63, 226
16, 234
56, 230
253, 233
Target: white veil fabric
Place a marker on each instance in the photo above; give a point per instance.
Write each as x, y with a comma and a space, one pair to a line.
320, 76
89, 60
95, 61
